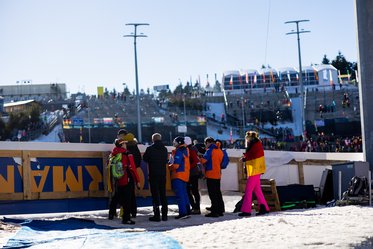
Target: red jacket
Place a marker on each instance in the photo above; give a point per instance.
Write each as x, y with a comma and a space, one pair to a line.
254, 159
128, 166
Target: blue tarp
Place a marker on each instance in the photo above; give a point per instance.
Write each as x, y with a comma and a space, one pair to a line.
81, 233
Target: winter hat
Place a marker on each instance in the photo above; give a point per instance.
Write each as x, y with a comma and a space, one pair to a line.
179, 140
122, 132
252, 134
128, 137
187, 140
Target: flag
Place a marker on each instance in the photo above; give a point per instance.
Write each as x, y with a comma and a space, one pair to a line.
247, 78
316, 75
231, 80
331, 77
272, 77
339, 76
240, 79
264, 78
255, 78
288, 73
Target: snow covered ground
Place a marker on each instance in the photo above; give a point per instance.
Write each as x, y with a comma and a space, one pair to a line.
321, 227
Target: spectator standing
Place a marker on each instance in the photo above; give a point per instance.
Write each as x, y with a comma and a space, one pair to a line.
179, 166
134, 150
123, 188
195, 173
212, 160
156, 156
255, 167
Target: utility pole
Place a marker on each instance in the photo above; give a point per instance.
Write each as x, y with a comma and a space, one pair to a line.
185, 118
300, 68
135, 35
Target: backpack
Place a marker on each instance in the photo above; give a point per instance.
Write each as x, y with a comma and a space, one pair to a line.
224, 163
116, 166
358, 186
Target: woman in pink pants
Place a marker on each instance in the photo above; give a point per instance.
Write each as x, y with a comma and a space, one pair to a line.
255, 166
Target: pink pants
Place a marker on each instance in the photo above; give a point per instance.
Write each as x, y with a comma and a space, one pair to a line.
253, 185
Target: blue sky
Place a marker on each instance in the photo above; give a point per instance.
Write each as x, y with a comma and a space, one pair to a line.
81, 43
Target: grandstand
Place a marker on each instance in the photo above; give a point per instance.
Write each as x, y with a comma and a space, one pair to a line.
319, 75
266, 100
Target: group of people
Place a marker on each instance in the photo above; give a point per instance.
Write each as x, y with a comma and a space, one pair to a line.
187, 163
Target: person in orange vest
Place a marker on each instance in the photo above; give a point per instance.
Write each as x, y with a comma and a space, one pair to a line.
179, 166
255, 167
212, 160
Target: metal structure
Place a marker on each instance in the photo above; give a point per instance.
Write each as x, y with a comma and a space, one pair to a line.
300, 67
135, 35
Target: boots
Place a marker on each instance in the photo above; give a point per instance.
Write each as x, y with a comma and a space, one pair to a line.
262, 210
164, 213
157, 215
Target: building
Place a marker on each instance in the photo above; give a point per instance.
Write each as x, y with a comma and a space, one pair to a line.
38, 92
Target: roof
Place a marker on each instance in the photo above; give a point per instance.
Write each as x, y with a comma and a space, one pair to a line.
268, 70
233, 72
308, 68
23, 102
249, 71
325, 67
287, 69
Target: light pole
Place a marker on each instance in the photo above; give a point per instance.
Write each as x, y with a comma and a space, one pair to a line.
185, 120
135, 35
89, 125
243, 114
300, 68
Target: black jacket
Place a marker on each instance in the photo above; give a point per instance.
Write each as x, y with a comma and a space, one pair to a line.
156, 155
134, 150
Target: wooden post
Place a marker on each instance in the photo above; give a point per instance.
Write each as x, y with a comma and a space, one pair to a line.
300, 173
105, 156
26, 175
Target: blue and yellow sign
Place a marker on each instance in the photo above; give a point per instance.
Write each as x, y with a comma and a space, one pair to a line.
52, 175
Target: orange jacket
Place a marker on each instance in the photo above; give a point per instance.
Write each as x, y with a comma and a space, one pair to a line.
180, 166
212, 160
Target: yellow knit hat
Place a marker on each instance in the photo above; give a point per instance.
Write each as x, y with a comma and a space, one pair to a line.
128, 137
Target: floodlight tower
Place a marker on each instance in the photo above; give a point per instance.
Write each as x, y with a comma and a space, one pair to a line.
135, 35
300, 68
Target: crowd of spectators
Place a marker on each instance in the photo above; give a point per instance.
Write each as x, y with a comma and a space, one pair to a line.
319, 143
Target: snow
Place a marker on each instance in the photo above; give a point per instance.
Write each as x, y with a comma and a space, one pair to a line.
51, 136
321, 227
